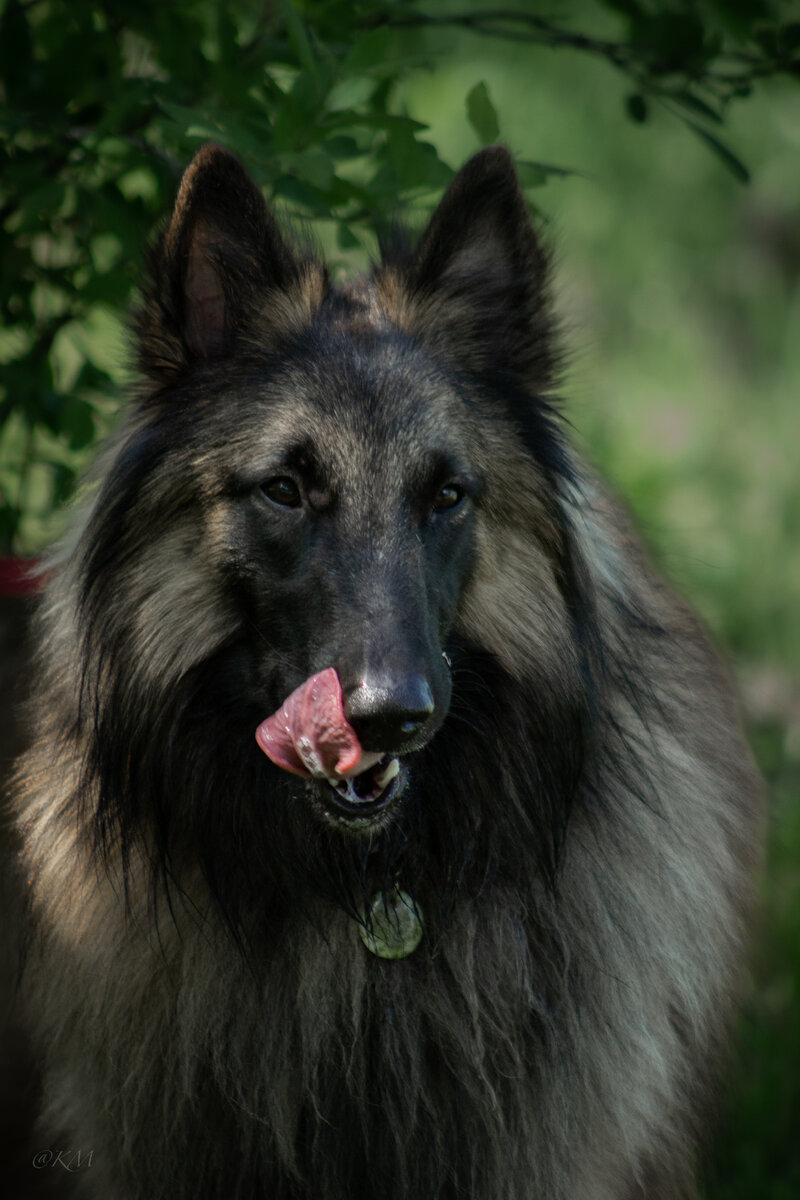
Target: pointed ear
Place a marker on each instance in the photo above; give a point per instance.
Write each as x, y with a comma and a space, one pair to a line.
478, 277
220, 253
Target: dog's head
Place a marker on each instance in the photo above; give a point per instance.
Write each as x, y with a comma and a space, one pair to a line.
363, 480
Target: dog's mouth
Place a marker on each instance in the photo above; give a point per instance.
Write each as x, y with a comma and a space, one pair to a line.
310, 736
367, 795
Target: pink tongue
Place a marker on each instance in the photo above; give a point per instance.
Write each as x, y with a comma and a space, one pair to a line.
310, 735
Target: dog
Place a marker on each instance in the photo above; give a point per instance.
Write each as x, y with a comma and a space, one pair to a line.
388, 827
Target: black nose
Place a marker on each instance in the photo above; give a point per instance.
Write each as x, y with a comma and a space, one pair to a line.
387, 714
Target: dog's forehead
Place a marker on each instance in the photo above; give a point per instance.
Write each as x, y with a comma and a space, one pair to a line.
370, 400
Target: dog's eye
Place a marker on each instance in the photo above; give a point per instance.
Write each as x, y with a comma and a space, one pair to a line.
282, 490
448, 497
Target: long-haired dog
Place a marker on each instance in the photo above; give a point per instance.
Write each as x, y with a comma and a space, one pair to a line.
387, 822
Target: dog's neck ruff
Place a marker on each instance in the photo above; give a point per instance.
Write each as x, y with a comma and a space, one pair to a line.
392, 926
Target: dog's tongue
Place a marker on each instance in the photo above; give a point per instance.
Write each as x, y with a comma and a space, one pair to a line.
310, 735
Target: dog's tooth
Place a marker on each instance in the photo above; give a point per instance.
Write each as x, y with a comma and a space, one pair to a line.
388, 773
310, 758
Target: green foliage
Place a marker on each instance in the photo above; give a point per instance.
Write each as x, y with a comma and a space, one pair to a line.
103, 104
481, 114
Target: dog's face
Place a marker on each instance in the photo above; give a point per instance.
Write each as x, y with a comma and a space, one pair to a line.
344, 525
348, 525
328, 477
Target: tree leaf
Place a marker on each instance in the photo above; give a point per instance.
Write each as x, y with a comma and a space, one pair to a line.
481, 114
344, 147
15, 52
636, 108
534, 174
723, 153
77, 422
345, 238
299, 191
630, 8
9, 523
314, 166
370, 50
696, 104
408, 164
298, 39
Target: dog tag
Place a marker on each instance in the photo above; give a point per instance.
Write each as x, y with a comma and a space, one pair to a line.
394, 927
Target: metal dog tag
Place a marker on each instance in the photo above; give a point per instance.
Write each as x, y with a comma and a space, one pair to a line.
393, 926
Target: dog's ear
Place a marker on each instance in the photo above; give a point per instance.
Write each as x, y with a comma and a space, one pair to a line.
479, 274
218, 259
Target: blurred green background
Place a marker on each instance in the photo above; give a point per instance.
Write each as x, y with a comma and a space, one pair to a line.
678, 288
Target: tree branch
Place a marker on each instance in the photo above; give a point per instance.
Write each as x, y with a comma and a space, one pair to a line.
636, 60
